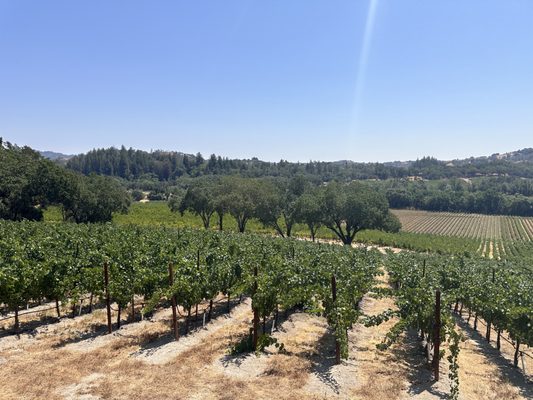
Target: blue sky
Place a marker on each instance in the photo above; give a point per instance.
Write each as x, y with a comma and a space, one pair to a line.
294, 79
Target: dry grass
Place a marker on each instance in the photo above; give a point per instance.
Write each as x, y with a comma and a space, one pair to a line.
59, 362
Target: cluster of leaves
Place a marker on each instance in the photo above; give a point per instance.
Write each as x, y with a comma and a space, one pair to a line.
65, 261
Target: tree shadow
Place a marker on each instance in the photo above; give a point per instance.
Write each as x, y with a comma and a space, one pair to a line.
505, 368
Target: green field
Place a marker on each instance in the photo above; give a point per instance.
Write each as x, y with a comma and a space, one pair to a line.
157, 213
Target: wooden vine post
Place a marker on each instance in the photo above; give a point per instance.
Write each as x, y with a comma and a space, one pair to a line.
210, 309
334, 298
133, 308
489, 320
436, 336
516, 353
173, 301
17, 323
256, 314
107, 298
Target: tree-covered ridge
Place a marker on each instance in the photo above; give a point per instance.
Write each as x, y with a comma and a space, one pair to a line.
168, 165
491, 195
29, 183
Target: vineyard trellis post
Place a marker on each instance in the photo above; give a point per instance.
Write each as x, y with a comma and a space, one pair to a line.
107, 297
334, 298
436, 336
17, 323
57, 309
173, 301
516, 353
489, 319
256, 313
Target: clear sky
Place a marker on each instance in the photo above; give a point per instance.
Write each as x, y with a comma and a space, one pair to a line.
294, 79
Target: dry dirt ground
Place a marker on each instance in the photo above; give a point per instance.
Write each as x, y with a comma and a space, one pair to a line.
74, 359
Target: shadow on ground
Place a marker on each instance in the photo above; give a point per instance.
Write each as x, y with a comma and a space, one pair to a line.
506, 370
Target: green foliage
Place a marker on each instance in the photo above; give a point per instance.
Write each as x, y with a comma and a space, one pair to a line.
348, 209
29, 183
65, 261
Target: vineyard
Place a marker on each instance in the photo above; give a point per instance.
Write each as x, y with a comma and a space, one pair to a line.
475, 226
494, 237
432, 292
121, 280
63, 263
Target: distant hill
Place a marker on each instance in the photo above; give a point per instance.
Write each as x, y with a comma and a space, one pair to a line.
524, 155
52, 155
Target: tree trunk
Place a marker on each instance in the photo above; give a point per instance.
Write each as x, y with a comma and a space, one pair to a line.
487, 333
498, 340
475, 322
196, 313
229, 304
205, 220
289, 229
220, 221
241, 223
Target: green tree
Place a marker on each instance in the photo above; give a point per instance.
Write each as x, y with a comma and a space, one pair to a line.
347, 209
309, 210
242, 199
199, 200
